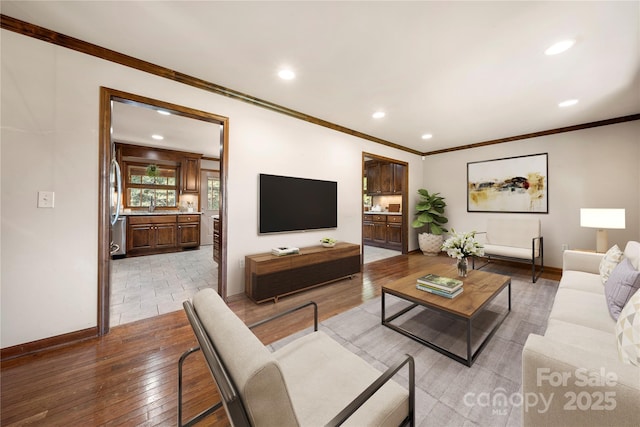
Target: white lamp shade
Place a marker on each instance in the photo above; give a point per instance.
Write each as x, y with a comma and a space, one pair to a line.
602, 218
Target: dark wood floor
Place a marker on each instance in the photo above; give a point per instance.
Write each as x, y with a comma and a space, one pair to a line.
129, 377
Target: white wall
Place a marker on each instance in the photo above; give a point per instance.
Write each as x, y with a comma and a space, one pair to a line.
49, 134
597, 168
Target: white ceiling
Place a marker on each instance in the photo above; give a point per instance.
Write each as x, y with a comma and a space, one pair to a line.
465, 72
134, 124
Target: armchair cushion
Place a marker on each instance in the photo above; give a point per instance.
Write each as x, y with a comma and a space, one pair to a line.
321, 376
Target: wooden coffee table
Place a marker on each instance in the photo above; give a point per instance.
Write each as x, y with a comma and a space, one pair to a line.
479, 289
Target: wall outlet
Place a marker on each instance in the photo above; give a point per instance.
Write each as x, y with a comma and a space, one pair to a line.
45, 199
565, 247
241, 263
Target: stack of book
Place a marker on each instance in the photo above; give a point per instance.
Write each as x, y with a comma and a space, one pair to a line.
438, 285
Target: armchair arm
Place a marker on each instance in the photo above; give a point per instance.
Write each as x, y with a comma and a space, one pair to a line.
291, 310
540, 247
360, 400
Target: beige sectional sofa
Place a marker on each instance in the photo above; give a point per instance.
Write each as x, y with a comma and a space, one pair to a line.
574, 375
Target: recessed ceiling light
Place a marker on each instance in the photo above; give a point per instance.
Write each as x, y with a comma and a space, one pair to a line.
378, 114
164, 113
568, 103
427, 136
157, 137
559, 47
286, 74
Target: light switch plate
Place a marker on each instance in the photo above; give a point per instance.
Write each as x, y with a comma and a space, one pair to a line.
45, 199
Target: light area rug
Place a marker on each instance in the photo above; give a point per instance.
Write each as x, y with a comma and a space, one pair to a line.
447, 392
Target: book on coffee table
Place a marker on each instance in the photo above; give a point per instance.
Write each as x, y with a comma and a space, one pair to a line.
439, 292
440, 282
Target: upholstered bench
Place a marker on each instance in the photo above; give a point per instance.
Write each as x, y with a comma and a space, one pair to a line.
312, 381
514, 239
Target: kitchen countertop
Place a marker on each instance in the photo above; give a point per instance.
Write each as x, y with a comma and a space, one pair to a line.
145, 213
382, 213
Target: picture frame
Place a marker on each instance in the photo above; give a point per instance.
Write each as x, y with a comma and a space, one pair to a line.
509, 185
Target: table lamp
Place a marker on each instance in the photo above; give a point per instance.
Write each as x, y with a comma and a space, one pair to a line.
602, 219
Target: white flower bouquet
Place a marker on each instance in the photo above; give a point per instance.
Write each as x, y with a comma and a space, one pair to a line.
462, 245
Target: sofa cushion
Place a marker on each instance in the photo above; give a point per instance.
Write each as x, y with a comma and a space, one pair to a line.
582, 308
322, 375
611, 259
581, 281
632, 251
623, 282
583, 338
628, 331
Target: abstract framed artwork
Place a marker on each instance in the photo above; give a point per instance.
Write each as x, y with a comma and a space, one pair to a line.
513, 184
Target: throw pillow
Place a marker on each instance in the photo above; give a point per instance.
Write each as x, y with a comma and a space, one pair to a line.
628, 331
623, 282
609, 262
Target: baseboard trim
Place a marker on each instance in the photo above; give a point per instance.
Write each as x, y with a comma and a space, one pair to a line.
50, 343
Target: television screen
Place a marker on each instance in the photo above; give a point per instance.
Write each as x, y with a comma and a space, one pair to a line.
292, 204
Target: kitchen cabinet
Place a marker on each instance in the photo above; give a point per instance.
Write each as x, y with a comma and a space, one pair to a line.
188, 231
190, 175
372, 170
384, 177
383, 231
151, 234
398, 178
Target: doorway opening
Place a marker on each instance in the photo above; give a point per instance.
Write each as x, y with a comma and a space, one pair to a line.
384, 207
217, 143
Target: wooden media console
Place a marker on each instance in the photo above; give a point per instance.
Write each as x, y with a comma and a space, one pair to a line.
268, 277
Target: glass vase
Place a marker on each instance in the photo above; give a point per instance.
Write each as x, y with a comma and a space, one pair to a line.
463, 266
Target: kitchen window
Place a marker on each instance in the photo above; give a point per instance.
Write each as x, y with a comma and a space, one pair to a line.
213, 193
142, 186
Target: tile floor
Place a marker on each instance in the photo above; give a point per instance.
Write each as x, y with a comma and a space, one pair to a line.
373, 253
147, 286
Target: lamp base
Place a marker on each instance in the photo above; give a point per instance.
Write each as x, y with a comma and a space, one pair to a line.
602, 241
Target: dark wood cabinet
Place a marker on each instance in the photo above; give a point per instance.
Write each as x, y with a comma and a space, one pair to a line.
268, 277
188, 231
394, 232
384, 177
398, 178
190, 174
150, 234
372, 170
383, 231
367, 230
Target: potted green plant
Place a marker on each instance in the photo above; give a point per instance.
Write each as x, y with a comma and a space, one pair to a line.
430, 217
152, 170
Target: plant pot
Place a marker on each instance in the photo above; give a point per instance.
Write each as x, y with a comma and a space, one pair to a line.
430, 244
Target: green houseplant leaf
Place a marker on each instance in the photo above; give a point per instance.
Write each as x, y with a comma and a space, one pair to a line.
430, 212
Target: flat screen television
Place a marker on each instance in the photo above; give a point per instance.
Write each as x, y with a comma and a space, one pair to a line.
296, 204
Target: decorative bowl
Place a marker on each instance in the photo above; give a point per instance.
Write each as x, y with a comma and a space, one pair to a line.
328, 245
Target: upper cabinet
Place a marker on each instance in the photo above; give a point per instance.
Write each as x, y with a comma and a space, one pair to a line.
190, 167
384, 177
